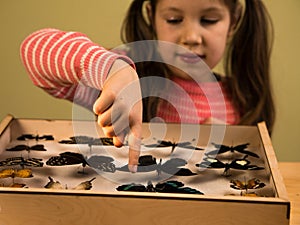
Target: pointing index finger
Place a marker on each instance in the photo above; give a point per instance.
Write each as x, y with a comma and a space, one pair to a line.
134, 143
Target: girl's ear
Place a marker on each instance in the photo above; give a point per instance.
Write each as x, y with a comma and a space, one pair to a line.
235, 19
147, 12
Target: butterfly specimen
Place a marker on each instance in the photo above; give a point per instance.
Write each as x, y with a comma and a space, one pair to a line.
86, 185
171, 186
66, 158
172, 166
88, 140
14, 161
35, 137
253, 183
22, 173
164, 143
238, 148
239, 164
103, 163
27, 148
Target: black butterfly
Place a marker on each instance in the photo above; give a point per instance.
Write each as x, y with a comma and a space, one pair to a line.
88, 140
250, 184
147, 163
103, 163
20, 161
36, 137
164, 143
165, 187
238, 148
239, 164
27, 148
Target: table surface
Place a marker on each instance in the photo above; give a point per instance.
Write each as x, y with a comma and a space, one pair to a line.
291, 176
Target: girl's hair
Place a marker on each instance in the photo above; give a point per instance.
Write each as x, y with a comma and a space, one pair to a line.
247, 62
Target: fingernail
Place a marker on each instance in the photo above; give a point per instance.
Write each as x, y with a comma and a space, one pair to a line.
132, 168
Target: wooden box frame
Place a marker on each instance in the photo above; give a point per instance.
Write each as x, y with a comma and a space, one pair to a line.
42, 206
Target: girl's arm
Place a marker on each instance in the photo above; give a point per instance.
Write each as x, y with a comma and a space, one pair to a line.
58, 61
69, 65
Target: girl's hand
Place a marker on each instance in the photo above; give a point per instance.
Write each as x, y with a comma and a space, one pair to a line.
119, 109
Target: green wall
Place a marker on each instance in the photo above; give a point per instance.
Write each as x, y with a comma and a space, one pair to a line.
101, 20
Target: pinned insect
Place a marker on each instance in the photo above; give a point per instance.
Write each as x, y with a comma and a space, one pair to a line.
239, 164
103, 163
164, 143
27, 148
171, 186
174, 166
253, 183
238, 148
13, 161
35, 137
22, 173
86, 185
88, 140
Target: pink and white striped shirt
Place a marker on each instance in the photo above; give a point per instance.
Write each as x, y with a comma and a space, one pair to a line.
69, 65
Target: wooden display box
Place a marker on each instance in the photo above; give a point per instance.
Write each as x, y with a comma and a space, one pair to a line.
103, 204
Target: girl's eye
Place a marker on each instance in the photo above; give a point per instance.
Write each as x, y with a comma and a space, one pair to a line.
209, 21
174, 21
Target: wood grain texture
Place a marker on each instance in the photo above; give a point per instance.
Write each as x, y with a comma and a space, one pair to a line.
291, 177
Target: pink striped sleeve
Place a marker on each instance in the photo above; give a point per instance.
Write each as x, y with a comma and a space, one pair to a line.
58, 61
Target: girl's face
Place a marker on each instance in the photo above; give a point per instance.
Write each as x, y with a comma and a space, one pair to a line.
200, 26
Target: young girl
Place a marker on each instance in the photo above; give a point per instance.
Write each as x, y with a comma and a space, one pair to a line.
197, 30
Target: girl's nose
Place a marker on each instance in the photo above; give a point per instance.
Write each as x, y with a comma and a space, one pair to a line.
191, 35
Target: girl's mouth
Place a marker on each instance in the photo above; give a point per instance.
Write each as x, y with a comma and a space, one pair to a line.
190, 58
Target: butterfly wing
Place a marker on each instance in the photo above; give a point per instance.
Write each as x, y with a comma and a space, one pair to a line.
221, 148
6, 173
38, 148
23, 173
147, 163
255, 184
66, 158
237, 184
47, 137
18, 148
34, 162
160, 143
174, 186
103, 163
132, 187
103, 141
209, 162
240, 164
25, 137
174, 166
249, 153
